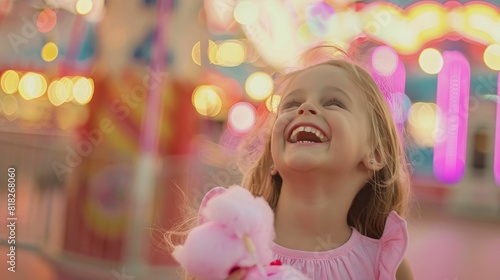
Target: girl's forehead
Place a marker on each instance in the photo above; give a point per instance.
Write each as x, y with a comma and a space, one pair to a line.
320, 77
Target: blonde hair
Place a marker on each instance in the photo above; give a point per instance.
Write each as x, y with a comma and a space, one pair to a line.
388, 188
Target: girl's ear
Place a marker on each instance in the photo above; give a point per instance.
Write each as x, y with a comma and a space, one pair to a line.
374, 161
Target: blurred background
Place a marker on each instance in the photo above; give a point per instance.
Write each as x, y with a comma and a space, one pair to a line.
110, 110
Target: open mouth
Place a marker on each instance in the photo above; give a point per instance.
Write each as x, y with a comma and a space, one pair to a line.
307, 134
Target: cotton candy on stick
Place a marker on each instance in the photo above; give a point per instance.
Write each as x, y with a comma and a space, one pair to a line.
235, 231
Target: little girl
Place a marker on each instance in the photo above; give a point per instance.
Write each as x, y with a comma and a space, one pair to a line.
334, 172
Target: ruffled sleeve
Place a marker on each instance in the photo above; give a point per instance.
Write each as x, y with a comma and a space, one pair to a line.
209, 195
392, 247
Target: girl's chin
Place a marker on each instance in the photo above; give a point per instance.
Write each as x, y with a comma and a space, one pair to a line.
303, 164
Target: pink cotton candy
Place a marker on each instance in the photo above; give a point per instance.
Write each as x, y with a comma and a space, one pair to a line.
228, 220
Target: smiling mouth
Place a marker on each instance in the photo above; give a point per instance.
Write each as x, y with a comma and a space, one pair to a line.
307, 134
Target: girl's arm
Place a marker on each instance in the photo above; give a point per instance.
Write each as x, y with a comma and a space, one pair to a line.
404, 271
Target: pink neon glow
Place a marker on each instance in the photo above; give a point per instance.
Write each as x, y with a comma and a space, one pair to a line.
397, 96
391, 81
453, 101
497, 138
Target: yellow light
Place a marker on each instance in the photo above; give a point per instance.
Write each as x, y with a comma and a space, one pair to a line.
495, 33
212, 52
32, 85
246, 12
492, 57
431, 61
456, 20
259, 85
10, 105
195, 53
49, 52
423, 118
64, 89
52, 93
231, 54
273, 102
385, 60
83, 90
206, 101
429, 21
9, 81
84, 7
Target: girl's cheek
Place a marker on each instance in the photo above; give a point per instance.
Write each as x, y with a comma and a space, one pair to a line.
282, 120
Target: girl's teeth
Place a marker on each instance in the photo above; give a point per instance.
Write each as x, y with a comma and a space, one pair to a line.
293, 137
320, 136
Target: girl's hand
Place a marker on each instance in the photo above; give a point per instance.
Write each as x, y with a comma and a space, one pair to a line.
237, 275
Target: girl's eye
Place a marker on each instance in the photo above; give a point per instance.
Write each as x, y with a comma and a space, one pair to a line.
291, 104
334, 102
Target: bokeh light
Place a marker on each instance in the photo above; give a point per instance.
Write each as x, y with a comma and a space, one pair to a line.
252, 54
241, 118
84, 7
52, 93
10, 106
422, 119
385, 60
206, 101
400, 104
211, 52
49, 52
318, 16
231, 53
64, 89
259, 85
9, 81
273, 103
32, 85
492, 57
46, 20
431, 61
246, 12
83, 89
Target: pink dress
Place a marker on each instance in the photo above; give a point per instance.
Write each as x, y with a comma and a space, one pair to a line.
360, 258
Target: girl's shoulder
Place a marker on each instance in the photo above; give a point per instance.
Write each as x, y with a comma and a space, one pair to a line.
390, 249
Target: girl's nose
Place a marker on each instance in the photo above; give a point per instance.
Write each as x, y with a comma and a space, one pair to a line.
306, 107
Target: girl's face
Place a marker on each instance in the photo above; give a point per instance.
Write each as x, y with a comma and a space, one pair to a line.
322, 123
